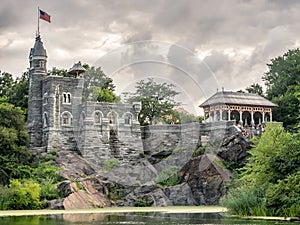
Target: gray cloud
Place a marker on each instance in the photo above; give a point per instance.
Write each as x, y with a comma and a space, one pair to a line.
236, 38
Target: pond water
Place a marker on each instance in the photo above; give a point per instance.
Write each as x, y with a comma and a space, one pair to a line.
131, 218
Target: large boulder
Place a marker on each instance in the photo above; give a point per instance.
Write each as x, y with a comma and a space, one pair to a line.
180, 194
82, 195
148, 194
234, 149
206, 178
74, 166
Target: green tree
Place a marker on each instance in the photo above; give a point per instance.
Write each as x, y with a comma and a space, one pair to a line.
94, 81
18, 93
261, 169
13, 139
106, 95
255, 89
6, 82
58, 72
283, 86
158, 100
273, 168
24, 195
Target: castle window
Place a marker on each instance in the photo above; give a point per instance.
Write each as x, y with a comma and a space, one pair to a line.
127, 118
98, 117
66, 118
112, 117
45, 120
66, 98
45, 98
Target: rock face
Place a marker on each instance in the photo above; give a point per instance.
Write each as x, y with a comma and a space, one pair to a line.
206, 179
85, 191
234, 149
82, 195
202, 180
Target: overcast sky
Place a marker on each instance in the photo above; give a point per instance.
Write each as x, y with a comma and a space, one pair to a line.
198, 45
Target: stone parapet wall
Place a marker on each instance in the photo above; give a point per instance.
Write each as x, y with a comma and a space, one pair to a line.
167, 137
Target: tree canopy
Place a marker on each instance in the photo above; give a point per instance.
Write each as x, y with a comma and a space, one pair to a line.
255, 89
13, 140
98, 86
158, 100
283, 88
15, 91
269, 183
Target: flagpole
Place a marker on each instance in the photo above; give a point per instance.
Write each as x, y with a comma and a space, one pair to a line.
38, 28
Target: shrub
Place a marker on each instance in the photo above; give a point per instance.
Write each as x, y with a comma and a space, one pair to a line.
4, 198
111, 163
168, 177
246, 201
144, 201
199, 151
24, 195
49, 190
283, 199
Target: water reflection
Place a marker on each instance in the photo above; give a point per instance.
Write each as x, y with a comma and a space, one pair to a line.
148, 218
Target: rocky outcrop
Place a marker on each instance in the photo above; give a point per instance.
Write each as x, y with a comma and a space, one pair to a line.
81, 189
206, 178
234, 149
82, 195
73, 166
180, 195
203, 179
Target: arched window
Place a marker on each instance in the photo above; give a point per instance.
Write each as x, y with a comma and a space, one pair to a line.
66, 98
45, 98
45, 120
112, 117
66, 118
128, 118
98, 117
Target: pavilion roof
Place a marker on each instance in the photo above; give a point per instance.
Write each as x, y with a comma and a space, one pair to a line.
237, 98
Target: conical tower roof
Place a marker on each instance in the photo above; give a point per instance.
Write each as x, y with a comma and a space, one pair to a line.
77, 69
38, 49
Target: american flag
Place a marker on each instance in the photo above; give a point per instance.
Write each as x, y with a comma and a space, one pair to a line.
44, 16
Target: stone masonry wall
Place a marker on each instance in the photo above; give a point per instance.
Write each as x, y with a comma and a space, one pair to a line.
111, 136
157, 138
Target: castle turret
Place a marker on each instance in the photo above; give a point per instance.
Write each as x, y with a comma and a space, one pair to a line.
38, 60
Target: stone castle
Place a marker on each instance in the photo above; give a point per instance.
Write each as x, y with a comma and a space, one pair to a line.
58, 118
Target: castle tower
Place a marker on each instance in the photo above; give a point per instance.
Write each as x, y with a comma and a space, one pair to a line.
38, 60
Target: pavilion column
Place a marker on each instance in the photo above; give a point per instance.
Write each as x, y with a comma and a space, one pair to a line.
241, 117
271, 116
263, 117
221, 114
252, 118
229, 112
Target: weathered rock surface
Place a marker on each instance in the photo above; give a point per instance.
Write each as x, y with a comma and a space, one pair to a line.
234, 149
74, 166
202, 179
82, 195
131, 175
206, 178
180, 194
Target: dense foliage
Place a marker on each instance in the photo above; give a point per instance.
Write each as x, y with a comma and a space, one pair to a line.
15, 91
283, 87
98, 86
271, 177
255, 89
158, 101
